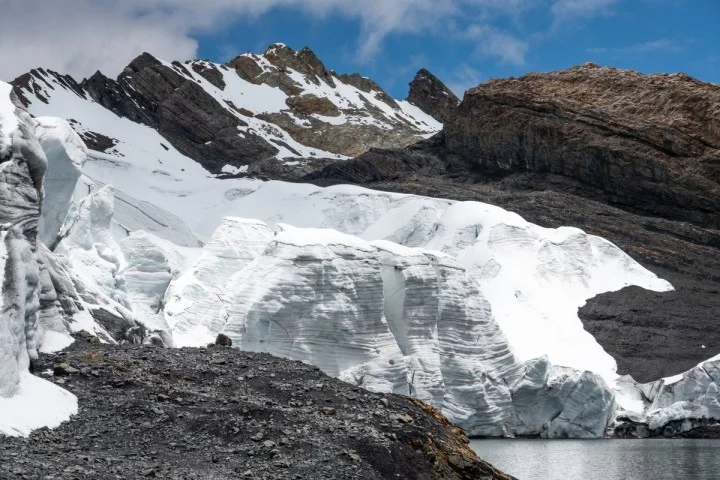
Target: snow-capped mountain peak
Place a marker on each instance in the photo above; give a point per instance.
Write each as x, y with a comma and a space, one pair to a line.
256, 109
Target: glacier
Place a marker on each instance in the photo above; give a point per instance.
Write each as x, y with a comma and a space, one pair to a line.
26, 402
408, 320
464, 305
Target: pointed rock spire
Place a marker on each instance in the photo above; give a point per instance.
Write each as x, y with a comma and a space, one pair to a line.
432, 96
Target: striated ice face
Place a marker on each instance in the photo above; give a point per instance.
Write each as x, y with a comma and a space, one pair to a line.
26, 402
66, 155
383, 316
320, 301
201, 292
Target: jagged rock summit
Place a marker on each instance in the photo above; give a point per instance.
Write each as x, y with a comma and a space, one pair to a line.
429, 94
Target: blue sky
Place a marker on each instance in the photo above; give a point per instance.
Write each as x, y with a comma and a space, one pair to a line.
462, 41
646, 35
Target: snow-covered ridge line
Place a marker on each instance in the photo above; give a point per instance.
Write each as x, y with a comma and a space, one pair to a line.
285, 105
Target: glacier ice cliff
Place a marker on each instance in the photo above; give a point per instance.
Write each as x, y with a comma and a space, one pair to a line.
197, 292
26, 401
670, 406
66, 155
391, 318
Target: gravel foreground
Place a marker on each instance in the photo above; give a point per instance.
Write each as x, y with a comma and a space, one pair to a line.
219, 413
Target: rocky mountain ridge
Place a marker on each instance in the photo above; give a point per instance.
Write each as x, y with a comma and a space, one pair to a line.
283, 104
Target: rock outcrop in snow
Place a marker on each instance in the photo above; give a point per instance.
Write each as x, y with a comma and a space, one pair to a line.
428, 93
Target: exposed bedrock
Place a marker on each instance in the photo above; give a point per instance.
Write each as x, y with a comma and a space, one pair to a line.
155, 94
429, 94
620, 131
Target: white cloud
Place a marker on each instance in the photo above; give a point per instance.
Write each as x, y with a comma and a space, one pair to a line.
494, 43
643, 48
81, 36
662, 45
564, 10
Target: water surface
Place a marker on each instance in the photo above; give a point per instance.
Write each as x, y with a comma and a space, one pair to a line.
656, 459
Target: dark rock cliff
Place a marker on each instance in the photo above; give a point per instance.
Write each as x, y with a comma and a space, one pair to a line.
152, 93
432, 96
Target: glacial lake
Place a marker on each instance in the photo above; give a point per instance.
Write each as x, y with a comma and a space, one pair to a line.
656, 459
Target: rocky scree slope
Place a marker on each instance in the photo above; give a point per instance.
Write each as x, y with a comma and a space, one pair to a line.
630, 157
246, 114
221, 413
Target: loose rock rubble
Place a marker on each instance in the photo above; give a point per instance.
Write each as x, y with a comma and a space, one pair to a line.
219, 413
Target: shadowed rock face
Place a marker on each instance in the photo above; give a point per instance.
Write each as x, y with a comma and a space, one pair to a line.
432, 96
650, 143
629, 157
156, 95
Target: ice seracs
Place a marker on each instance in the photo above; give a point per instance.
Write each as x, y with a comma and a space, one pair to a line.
411, 300
200, 293
309, 289
671, 405
26, 402
66, 154
393, 318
